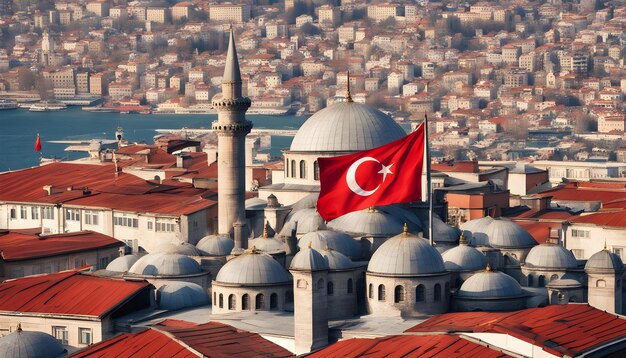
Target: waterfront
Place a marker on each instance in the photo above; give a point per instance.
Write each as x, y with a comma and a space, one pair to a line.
19, 128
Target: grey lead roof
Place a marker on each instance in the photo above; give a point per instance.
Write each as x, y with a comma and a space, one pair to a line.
253, 268
551, 256
346, 126
490, 284
406, 254
28, 344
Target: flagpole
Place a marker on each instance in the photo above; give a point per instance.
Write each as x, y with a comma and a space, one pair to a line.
428, 183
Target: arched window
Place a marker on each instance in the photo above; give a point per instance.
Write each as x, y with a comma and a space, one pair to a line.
316, 170
245, 302
221, 301
231, 302
320, 284
531, 280
214, 297
554, 277
350, 289
273, 301
398, 295
330, 288
287, 167
289, 296
381, 292
541, 281
302, 169
437, 292
371, 291
259, 302
419, 293
446, 292
293, 168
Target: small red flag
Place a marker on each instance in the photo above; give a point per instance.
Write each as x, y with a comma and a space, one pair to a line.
38, 144
385, 175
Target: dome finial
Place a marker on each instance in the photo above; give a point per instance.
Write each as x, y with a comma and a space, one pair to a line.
348, 95
264, 232
310, 242
19, 327
463, 239
605, 244
405, 231
488, 268
328, 248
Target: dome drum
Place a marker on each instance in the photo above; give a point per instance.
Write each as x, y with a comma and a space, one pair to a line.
342, 297
490, 291
230, 298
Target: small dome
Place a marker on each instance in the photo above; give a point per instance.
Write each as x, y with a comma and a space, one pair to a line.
177, 295
443, 231
339, 241
605, 261
474, 230
490, 285
504, 233
464, 258
216, 245
183, 248
564, 283
336, 260
346, 127
255, 204
165, 265
267, 244
408, 255
28, 344
367, 222
253, 268
551, 256
308, 259
308, 220
122, 263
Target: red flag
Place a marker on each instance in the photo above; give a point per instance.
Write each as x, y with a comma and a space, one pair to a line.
38, 143
388, 174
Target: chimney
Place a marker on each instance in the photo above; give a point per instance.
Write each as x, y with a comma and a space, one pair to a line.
183, 161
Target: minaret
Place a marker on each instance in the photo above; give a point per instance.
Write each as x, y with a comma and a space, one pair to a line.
231, 128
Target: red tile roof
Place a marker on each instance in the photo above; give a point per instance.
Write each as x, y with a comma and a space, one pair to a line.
579, 191
174, 338
457, 167
569, 329
408, 346
539, 230
20, 246
68, 292
610, 219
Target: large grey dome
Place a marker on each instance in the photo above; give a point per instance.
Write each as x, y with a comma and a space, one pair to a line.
267, 244
474, 230
253, 268
339, 241
605, 261
464, 258
443, 231
308, 259
504, 233
551, 256
490, 285
346, 127
166, 265
336, 260
122, 263
406, 255
308, 220
183, 248
28, 344
177, 295
216, 245
367, 223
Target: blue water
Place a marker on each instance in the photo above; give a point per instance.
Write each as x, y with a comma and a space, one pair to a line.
19, 128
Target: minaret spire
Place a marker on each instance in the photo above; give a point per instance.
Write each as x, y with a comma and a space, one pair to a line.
348, 95
231, 82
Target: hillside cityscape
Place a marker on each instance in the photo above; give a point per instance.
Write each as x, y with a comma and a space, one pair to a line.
221, 241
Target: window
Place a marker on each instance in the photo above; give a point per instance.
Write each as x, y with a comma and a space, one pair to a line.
330, 288
381, 292
91, 217
419, 293
371, 291
48, 213
287, 168
72, 214
316, 170
302, 169
150, 225
245, 302
84, 335
618, 251
530, 280
541, 281
13, 214
60, 333
23, 213
124, 221
273, 301
104, 261
221, 301
446, 292
80, 263
231, 302
293, 168
580, 233
34, 212
554, 277
600, 283
165, 227
398, 295
437, 292
350, 285
259, 302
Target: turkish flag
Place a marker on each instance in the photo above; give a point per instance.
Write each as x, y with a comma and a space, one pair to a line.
388, 174
38, 144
